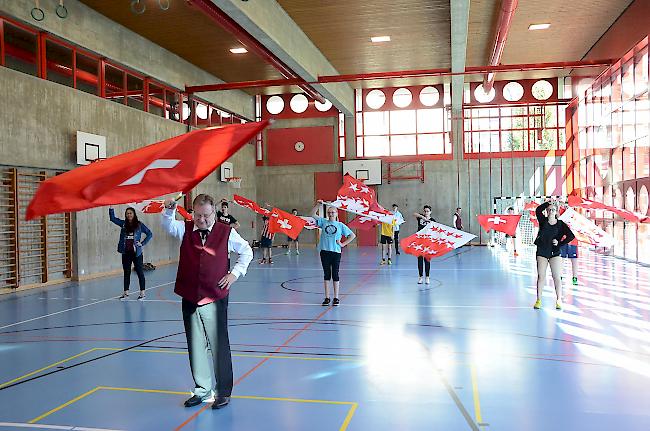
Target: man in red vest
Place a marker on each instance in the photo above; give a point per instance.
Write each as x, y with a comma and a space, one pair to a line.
203, 281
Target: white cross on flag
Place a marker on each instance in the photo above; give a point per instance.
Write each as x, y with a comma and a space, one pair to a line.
506, 223
585, 230
434, 240
282, 221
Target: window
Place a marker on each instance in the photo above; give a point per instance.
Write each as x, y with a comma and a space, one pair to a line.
408, 127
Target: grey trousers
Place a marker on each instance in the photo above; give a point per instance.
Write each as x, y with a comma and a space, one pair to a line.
206, 330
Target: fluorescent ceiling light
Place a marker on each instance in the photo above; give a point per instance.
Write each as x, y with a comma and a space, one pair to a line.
539, 26
238, 50
377, 39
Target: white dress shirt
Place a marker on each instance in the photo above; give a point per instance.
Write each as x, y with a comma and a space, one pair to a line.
236, 243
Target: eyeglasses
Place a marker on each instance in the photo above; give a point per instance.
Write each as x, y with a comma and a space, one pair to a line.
203, 216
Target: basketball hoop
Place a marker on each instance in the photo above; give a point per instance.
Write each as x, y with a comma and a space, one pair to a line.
235, 182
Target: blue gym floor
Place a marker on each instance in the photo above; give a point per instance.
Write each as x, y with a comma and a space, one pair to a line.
467, 352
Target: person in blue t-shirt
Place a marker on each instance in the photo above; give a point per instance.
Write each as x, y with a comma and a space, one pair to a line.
330, 245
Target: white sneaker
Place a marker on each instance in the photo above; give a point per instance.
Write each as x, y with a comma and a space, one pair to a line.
427, 280
419, 280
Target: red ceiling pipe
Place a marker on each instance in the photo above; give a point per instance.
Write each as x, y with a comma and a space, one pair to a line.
252, 44
508, 8
475, 70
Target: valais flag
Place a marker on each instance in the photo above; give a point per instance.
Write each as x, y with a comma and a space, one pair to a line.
251, 205
577, 201
310, 222
585, 230
363, 223
155, 170
506, 223
434, 240
356, 197
282, 221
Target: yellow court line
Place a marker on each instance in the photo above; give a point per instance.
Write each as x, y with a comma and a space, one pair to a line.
62, 406
477, 402
46, 368
346, 422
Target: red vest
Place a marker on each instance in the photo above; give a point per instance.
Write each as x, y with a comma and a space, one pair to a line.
202, 266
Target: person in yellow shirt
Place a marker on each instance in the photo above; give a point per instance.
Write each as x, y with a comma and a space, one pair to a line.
386, 242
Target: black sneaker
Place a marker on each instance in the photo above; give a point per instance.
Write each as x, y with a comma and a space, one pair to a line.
220, 403
336, 302
194, 401
326, 302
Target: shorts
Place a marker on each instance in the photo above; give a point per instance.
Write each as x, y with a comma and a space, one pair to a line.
266, 242
386, 239
291, 239
569, 251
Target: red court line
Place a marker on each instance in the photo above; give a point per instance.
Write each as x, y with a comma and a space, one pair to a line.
360, 283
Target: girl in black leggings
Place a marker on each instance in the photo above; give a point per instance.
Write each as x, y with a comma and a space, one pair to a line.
553, 234
330, 245
130, 247
423, 220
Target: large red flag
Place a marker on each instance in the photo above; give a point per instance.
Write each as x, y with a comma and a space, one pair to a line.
577, 201
178, 163
506, 223
289, 224
156, 206
357, 198
251, 205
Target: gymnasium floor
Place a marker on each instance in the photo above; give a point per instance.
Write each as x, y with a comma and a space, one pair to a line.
467, 352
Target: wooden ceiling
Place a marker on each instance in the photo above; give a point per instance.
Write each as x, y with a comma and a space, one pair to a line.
341, 30
188, 33
420, 32
575, 26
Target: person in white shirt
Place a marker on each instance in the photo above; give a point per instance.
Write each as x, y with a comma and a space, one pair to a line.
399, 219
203, 281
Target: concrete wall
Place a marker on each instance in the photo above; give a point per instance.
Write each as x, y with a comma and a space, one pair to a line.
95, 32
38, 129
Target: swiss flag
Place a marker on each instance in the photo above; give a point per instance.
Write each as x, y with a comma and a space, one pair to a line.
506, 223
251, 205
155, 170
363, 223
289, 224
157, 206
434, 240
577, 201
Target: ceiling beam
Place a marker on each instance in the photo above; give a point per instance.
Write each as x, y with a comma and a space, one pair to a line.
273, 28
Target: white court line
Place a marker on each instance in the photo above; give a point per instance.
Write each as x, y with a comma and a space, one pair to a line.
51, 427
75, 308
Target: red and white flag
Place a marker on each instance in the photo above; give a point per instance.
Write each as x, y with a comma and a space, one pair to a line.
585, 230
533, 218
357, 198
363, 223
310, 222
506, 223
284, 222
434, 240
577, 201
155, 170
531, 206
251, 205
156, 206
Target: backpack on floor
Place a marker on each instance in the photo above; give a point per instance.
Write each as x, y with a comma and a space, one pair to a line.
148, 266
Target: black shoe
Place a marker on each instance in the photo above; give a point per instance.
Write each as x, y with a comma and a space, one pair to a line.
194, 401
397, 252
220, 403
326, 302
336, 302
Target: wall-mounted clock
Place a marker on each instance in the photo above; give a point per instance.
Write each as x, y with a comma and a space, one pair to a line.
299, 146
